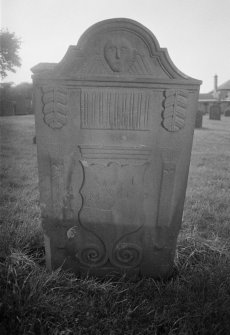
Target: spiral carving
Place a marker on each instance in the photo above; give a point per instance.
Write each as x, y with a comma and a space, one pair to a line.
127, 255
92, 256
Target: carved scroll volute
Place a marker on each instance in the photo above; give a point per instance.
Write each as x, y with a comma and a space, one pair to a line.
89, 249
54, 106
175, 106
126, 254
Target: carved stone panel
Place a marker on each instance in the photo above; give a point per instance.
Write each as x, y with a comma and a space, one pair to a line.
115, 153
115, 109
113, 200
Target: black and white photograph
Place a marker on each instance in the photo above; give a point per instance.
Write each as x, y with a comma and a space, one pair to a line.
115, 167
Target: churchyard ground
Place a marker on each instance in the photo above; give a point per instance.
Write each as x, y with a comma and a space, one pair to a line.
196, 300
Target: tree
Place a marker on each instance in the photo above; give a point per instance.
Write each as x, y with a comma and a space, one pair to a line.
5, 90
9, 47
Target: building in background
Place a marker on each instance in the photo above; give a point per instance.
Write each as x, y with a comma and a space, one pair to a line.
220, 95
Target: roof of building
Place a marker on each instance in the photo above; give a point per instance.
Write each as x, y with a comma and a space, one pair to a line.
224, 86
206, 96
211, 96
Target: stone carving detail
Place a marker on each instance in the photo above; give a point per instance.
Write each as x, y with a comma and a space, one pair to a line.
110, 153
93, 254
103, 199
175, 105
114, 55
92, 251
119, 54
114, 108
72, 232
124, 58
127, 255
54, 106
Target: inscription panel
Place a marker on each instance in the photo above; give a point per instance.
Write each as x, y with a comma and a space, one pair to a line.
112, 108
113, 196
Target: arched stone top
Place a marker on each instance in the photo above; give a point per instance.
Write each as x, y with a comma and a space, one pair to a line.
119, 25
117, 49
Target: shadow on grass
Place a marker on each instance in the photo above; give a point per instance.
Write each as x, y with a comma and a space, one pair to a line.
195, 301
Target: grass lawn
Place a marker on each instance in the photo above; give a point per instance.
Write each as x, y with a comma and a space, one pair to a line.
195, 301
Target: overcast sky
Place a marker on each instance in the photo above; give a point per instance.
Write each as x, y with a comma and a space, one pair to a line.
195, 32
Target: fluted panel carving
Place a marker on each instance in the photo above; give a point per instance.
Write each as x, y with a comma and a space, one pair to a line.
115, 109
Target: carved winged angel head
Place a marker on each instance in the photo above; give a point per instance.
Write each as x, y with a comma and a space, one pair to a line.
119, 54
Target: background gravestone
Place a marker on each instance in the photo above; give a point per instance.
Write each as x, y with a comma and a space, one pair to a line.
6, 108
114, 128
227, 112
215, 112
199, 119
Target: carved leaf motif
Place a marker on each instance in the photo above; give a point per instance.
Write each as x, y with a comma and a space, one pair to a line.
55, 106
175, 105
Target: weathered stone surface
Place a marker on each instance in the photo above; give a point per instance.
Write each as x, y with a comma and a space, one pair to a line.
215, 112
114, 128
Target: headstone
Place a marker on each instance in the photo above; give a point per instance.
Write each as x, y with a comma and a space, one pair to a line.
20, 105
199, 119
227, 112
23, 105
215, 112
114, 128
6, 108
